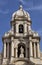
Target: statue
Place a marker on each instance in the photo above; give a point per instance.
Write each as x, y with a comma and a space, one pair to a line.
21, 52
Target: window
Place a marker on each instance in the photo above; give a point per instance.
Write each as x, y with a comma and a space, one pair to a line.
21, 28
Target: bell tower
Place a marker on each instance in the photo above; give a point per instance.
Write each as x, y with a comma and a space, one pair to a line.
21, 43
21, 24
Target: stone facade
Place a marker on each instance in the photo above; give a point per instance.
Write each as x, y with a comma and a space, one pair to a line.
21, 45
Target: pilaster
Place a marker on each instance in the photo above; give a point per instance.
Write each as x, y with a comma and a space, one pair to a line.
12, 49
25, 28
16, 28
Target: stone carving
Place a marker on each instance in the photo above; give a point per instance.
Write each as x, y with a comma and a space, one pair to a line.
21, 52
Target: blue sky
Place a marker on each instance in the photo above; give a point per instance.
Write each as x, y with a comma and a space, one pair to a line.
7, 7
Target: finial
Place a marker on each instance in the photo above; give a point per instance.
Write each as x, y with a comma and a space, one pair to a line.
21, 7
20, 2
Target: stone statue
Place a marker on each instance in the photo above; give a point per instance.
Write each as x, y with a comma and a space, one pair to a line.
21, 52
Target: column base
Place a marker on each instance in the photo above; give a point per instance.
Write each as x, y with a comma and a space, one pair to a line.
12, 60
5, 61
31, 58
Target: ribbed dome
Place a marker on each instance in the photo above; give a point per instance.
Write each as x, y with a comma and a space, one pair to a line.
21, 14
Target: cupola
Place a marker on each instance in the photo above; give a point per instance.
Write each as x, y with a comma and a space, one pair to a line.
21, 15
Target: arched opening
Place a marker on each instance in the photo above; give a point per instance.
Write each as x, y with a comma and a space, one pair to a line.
21, 50
21, 28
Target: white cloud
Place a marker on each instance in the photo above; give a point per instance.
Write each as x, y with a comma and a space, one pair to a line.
4, 12
39, 7
31, 6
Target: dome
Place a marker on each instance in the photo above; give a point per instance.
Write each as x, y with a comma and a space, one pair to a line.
21, 14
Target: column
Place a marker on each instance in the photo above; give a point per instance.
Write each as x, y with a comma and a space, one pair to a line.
12, 46
16, 52
4, 49
31, 51
34, 50
38, 49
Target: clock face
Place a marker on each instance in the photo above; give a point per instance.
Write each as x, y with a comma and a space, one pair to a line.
21, 29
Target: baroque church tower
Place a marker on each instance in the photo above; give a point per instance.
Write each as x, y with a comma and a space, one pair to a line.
21, 45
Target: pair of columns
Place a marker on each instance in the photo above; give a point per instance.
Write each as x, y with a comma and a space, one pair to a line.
36, 50
6, 50
12, 48
31, 49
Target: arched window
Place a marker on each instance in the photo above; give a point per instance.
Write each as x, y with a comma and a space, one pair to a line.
21, 51
21, 28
